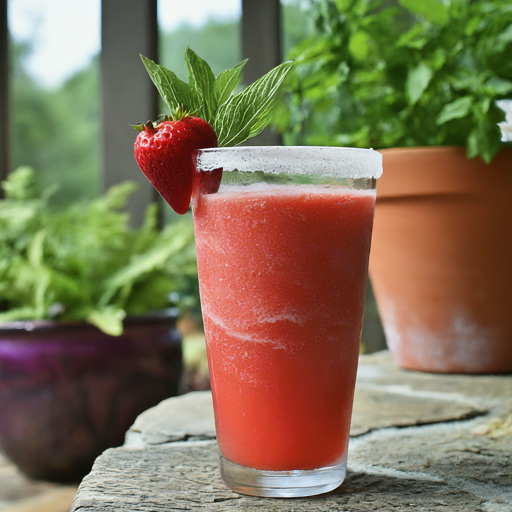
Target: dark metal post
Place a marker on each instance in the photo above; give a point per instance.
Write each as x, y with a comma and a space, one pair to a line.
129, 28
261, 37
261, 44
4, 93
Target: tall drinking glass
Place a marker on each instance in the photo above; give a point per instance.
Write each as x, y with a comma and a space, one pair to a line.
282, 252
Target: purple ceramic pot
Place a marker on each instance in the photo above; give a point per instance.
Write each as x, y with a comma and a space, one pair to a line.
69, 391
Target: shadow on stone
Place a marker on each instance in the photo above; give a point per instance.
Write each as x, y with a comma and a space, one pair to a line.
367, 492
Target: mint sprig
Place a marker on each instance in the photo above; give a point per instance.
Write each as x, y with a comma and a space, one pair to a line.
234, 117
174, 92
202, 81
227, 80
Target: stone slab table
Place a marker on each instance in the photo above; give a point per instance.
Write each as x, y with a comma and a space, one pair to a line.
419, 442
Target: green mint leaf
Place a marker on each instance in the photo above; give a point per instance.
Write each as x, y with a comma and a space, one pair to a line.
23, 313
359, 45
455, 110
109, 320
417, 81
502, 40
482, 143
498, 86
202, 80
116, 197
489, 131
227, 80
35, 250
432, 10
247, 113
472, 148
174, 92
40, 293
20, 184
144, 263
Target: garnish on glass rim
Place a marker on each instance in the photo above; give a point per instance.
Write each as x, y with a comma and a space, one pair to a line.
205, 113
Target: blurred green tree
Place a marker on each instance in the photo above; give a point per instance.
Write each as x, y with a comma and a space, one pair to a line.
57, 132
217, 42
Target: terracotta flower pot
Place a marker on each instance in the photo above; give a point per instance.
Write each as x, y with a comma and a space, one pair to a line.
68, 392
441, 260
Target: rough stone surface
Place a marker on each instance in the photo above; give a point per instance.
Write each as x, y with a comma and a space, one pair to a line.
453, 454
183, 477
377, 407
420, 442
185, 417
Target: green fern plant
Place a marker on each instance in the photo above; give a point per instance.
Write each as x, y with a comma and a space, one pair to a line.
85, 262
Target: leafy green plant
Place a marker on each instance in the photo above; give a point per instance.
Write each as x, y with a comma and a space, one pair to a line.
420, 73
85, 262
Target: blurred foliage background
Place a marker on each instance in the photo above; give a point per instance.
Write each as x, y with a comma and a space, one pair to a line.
56, 131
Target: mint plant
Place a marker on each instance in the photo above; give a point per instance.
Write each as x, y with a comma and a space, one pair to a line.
421, 73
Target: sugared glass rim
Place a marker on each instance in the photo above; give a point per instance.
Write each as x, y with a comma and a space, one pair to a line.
342, 162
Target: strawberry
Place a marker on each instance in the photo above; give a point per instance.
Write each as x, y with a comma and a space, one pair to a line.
164, 153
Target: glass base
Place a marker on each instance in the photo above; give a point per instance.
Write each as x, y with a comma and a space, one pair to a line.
282, 484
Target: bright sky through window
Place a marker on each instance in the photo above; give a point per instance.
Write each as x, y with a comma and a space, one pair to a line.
65, 34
